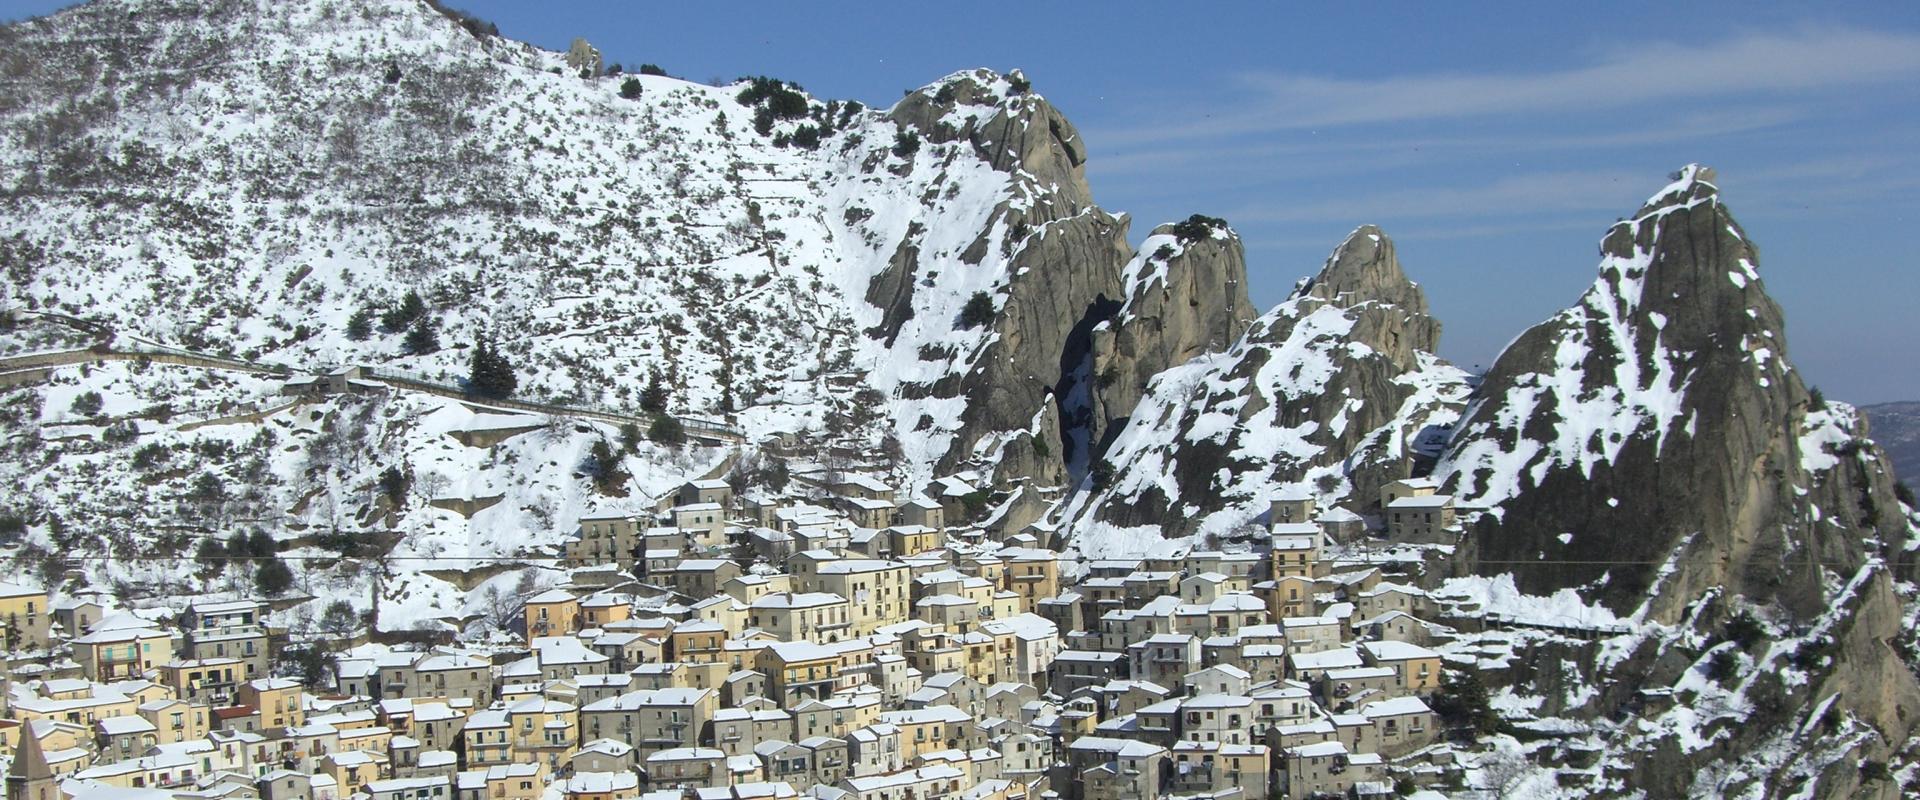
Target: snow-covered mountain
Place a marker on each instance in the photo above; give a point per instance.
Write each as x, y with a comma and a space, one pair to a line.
1333, 392
1651, 457
275, 183
271, 181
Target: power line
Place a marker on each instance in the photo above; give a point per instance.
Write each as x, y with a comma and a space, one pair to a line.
1340, 562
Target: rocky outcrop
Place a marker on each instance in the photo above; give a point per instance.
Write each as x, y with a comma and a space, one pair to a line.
1021, 132
1364, 275
1186, 295
1062, 275
584, 59
1335, 390
1063, 259
1653, 448
1664, 397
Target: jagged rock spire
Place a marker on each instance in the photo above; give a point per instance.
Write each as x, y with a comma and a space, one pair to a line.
1364, 271
1335, 391
1652, 448
1365, 268
1186, 295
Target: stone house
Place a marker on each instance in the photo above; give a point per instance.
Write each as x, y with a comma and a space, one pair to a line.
1417, 668
1423, 518
686, 768
1103, 767
554, 612
1220, 770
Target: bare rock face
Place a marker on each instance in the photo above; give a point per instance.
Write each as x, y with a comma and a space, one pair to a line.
584, 58
1652, 448
1335, 389
1025, 132
1063, 261
1364, 275
1186, 296
1067, 269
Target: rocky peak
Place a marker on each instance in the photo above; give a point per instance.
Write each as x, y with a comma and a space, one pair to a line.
1186, 295
1324, 393
1008, 125
1365, 269
1651, 448
584, 59
1364, 274
1668, 375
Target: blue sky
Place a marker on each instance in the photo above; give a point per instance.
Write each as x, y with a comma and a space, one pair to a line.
1494, 143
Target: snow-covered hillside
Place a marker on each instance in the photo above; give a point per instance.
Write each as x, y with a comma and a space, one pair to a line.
247, 176
271, 181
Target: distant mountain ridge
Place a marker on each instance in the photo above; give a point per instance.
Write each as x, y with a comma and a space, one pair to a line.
1896, 427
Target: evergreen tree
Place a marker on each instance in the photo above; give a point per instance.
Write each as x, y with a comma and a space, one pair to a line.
630, 88
977, 312
411, 308
87, 404
273, 578
667, 430
394, 484
212, 557
603, 466
488, 373
237, 546
360, 325
653, 399
260, 544
1462, 702
422, 338
906, 143
311, 662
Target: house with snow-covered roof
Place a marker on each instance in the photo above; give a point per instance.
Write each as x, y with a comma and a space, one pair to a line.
1295, 549
1417, 668
1105, 767
1290, 504
554, 612
1219, 769
686, 768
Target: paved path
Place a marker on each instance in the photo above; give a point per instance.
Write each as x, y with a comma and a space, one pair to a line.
34, 366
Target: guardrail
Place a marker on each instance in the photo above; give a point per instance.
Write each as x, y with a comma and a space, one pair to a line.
694, 426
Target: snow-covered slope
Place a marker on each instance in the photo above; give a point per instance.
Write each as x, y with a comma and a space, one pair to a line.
244, 176
178, 455
252, 179
1334, 392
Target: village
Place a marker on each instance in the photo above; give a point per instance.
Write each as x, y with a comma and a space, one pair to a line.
837, 640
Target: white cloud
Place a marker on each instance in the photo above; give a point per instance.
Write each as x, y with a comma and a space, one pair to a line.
1534, 193
1755, 64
